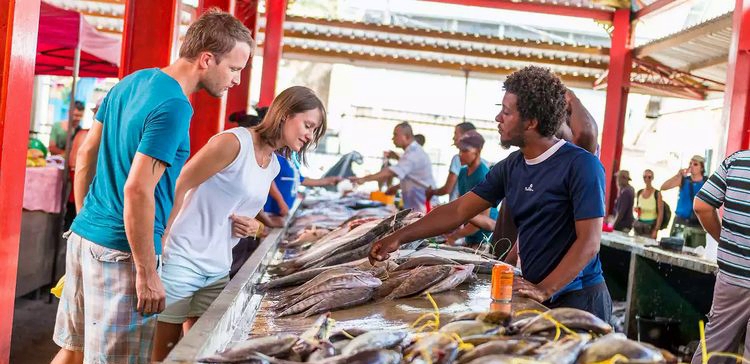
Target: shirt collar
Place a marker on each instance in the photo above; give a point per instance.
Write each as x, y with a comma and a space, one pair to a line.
547, 153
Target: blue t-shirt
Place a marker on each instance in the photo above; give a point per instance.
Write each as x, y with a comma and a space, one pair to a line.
145, 112
287, 182
465, 183
685, 200
547, 198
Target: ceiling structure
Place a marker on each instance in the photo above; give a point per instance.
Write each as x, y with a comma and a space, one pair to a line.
690, 63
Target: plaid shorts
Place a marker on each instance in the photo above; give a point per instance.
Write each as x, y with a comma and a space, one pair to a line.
97, 312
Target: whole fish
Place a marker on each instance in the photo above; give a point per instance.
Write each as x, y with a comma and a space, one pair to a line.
420, 279
506, 359
468, 328
342, 298
274, 345
564, 351
613, 344
438, 346
424, 260
306, 237
362, 357
499, 346
305, 304
374, 340
459, 274
394, 280
344, 256
572, 318
351, 280
320, 278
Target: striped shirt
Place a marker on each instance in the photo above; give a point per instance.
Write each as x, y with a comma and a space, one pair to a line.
730, 187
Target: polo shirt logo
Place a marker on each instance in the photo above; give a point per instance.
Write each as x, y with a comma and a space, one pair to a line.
530, 188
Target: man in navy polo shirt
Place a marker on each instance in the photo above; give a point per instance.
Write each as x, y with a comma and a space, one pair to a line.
555, 190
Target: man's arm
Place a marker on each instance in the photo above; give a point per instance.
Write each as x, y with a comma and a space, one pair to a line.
381, 176
483, 222
276, 196
450, 183
673, 182
318, 182
582, 125
139, 215
86, 163
709, 218
584, 248
440, 220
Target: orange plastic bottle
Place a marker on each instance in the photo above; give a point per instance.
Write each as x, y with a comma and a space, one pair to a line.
502, 283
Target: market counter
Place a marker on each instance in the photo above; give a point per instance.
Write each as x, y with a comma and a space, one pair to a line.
241, 311
657, 283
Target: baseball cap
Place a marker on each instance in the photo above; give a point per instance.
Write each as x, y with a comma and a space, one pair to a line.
471, 139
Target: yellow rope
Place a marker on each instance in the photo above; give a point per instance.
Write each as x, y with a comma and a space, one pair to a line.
348, 336
614, 359
706, 355
558, 324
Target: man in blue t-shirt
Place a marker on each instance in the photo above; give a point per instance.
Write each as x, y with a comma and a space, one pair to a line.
555, 190
124, 188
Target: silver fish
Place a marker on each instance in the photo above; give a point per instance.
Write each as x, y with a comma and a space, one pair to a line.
374, 340
459, 274
420, 279
274, 345
572, 318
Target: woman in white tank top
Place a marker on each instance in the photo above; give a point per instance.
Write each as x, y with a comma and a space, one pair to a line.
218, 194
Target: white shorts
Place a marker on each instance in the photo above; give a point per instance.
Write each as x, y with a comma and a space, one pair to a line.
189, 294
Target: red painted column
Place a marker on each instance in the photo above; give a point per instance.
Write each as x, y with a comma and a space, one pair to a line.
620, 65
239, 96
737, 92
148, 34
275, 13
19, 26
208, 111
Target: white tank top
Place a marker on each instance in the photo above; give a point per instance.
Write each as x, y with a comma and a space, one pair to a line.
201, 235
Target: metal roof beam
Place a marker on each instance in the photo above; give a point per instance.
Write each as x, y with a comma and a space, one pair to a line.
656, 7
457, 36
686, 35
706, 63
552, 9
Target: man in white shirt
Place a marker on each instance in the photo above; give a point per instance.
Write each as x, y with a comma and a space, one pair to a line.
414, 169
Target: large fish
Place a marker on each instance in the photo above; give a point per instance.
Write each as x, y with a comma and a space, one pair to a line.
617, 344
499, 346
274, 345
424, 260
349, 280
564, 351
374, 340
571, 318
459, 274
342, 298
322, 277
419, 280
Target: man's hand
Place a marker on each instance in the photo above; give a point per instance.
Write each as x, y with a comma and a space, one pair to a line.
381, 249
150, 292
390, 154
527, 289
243, 226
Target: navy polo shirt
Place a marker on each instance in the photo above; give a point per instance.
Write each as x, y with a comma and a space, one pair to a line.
547, 196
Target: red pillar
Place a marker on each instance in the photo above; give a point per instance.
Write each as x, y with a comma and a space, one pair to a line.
620, 65
208, 111
239, 96
148, 34
737, 93
275, 13
19, 26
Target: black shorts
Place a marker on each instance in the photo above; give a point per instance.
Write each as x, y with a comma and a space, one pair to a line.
594, 299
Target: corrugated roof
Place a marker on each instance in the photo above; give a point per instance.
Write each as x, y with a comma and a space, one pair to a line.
701, 50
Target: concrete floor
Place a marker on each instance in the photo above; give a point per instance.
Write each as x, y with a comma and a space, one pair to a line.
33, 323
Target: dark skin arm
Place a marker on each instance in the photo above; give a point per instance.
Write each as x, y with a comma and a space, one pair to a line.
709, 218
582, 127
442, 219
584, 248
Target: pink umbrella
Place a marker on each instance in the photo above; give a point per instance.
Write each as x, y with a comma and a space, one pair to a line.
62, 33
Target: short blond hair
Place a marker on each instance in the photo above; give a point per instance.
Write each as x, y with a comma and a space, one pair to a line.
289, 102
216, 32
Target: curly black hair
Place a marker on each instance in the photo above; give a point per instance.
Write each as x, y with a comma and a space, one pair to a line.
540, 95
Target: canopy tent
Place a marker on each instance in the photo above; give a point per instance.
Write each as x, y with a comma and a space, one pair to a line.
61, 32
